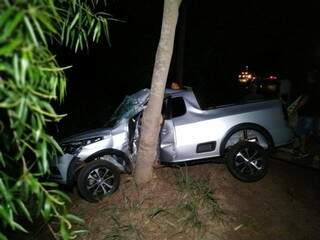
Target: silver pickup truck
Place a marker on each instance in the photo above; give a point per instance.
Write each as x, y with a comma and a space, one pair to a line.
241, 133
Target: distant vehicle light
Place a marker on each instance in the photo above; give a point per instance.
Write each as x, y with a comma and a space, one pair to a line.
272, 77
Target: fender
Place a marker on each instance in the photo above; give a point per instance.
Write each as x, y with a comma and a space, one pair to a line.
243, 126
77, 164
118, 153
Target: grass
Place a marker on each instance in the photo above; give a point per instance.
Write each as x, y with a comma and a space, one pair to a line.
132, 205
157, 211
190, 209
193, 209
199, 191
250, 222
121, 231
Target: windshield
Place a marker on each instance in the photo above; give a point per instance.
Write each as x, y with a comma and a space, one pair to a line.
127, 109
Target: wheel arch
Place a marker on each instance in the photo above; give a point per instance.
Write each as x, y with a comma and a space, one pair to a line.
76, 163
111, 151
242, 126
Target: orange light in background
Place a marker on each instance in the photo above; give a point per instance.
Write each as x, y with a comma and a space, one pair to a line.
246, 76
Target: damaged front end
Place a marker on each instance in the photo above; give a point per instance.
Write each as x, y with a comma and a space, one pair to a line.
116, 142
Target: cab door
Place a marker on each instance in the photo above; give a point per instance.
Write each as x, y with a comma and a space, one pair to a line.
168, 140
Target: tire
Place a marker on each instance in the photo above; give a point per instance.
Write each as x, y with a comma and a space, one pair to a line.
98, 179
247, 161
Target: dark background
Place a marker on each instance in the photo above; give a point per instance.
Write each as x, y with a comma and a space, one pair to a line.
222, 37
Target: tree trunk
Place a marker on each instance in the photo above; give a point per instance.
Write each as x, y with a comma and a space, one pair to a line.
152, 115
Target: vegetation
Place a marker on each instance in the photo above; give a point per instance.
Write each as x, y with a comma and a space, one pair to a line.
186, 206
30, 80
200, 193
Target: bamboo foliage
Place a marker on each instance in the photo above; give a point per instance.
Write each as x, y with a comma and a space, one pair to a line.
30, 80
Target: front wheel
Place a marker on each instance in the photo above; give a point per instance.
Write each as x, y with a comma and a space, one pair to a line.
97, 180
247, 161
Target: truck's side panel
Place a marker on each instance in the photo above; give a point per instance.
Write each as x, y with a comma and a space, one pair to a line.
197, 126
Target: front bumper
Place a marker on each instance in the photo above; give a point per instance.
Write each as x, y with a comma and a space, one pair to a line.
59, 168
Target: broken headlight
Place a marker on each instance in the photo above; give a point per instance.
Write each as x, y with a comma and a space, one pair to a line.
72, 147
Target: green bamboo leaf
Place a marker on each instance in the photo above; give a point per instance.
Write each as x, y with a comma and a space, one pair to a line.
4, 214
5, 193
56, 200
40, 111
2, 161
74, 2
16, 68
10, 47
44, 153
39, 30
96, 32
37, 123
3, 237
46, 20
74, 218
11, 26
63, 31
106, 31
81, 41
51, 140
67, 36
74, 21
85, 38
24, 63
49, 184
33, 183
46, 209
22, 110
54, 69
9, 104
77, 44
24, 210
27, 145
76, 233
63, 231
6, 14
37, 134
45, 94
91, 25
16, 225
31, 31
54, 9
60, 194
46, 106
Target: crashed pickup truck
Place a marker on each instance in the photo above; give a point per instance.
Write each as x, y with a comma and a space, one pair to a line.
242, 133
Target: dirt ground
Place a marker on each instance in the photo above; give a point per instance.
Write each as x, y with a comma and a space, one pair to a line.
206, 202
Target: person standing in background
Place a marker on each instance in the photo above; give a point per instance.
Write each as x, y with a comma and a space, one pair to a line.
308, 112
285, 90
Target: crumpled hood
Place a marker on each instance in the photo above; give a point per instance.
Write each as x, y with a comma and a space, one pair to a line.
140, 98
99, 132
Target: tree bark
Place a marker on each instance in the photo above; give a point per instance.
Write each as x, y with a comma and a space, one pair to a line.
148, 142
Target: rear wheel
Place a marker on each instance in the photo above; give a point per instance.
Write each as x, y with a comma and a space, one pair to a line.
247, 161
97, 180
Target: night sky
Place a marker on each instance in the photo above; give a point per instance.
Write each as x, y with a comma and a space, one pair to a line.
222, 37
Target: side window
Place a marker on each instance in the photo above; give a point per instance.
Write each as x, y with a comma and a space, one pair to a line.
178, 107
164, 110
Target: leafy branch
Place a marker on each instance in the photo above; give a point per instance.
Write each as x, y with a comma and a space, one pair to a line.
30, 79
